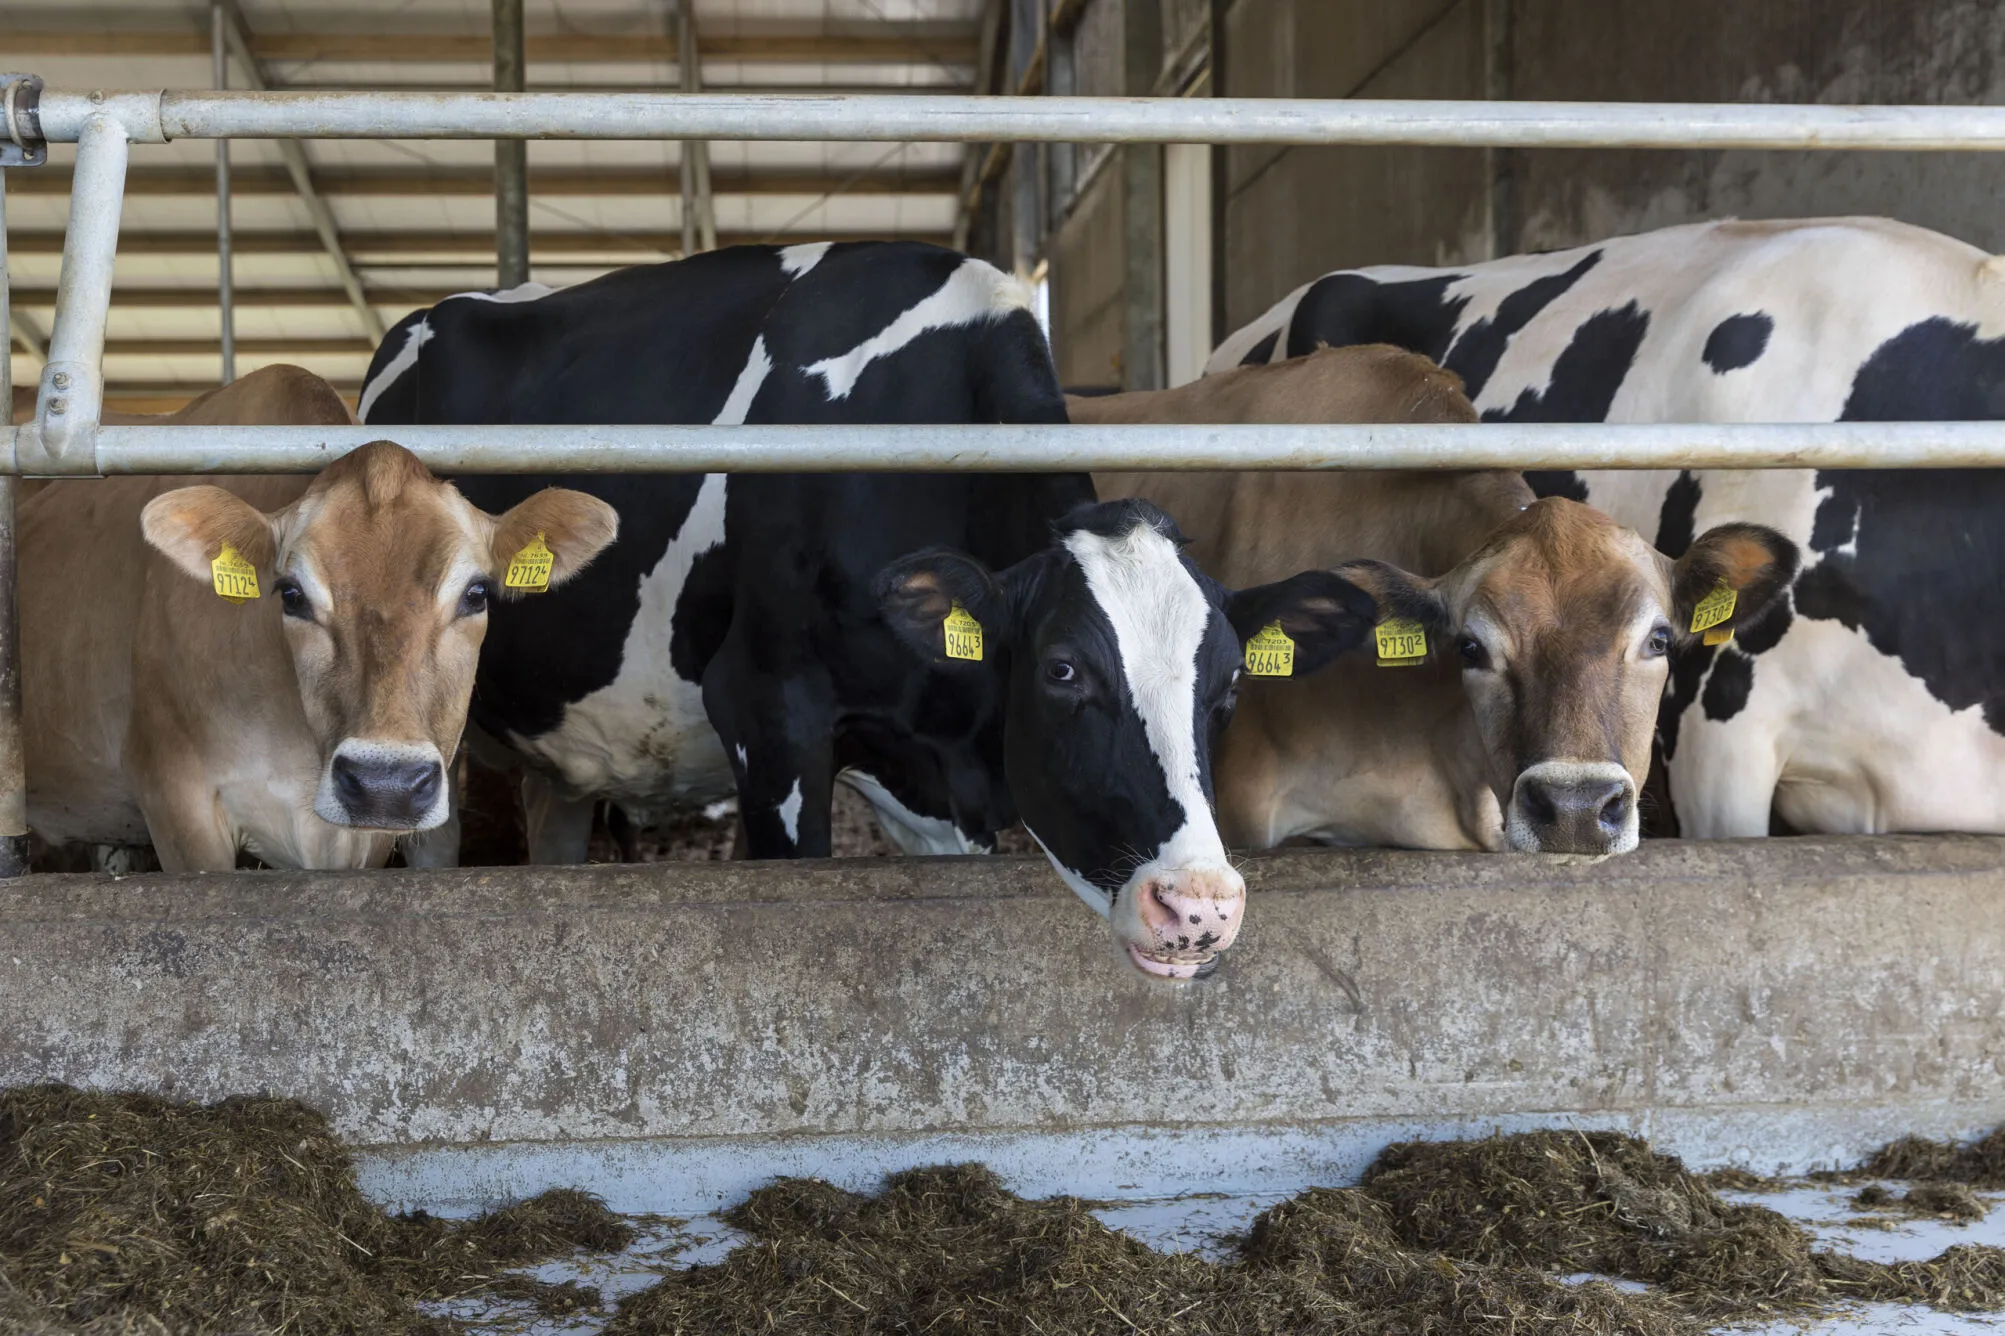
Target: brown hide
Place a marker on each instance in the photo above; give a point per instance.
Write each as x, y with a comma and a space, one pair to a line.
1356, 753
157, 710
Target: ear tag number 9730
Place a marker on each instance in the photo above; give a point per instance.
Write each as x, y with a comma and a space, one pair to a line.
1270, 653
1714, 608
530, 568
1402, 642
235, 578
964, 635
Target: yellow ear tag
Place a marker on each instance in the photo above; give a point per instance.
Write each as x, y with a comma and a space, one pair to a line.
1714, 608
530, 568
964, 635
1402, 642
1270, 653
235, 578
1719, 635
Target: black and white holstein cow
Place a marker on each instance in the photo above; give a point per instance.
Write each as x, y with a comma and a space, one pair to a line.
760, 630
1872, 699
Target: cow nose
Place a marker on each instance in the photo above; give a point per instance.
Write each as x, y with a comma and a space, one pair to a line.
1193, 911
386, 791
1591, 813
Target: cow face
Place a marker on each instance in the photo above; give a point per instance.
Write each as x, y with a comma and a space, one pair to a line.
1563, 624
1117, 660
380, 575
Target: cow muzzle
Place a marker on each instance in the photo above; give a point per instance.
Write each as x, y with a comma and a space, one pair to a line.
383, 786
1173, 922
1573, 807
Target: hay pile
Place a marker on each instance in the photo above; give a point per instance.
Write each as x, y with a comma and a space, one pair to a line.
949, 1250
1441, 1239
128, 1214
1979, 1164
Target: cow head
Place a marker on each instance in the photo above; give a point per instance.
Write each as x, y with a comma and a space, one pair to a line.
1117, 660
1563, 623
380, 575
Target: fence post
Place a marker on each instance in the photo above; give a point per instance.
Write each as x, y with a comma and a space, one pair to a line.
511, 156
13, 770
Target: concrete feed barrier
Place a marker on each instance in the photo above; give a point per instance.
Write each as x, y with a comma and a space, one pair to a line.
671, 1034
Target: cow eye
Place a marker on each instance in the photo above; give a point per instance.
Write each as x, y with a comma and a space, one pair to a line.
1058, 670
474, 601
1659, 643
1472, 652
292, 600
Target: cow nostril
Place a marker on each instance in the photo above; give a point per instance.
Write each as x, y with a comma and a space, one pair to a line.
425, 791
1615, 811
348, 780
1538, 805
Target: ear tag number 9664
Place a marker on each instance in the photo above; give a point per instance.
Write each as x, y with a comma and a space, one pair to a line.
1270, 652
964, 635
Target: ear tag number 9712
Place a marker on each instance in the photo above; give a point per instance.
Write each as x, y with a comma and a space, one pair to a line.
235, 578
530, 568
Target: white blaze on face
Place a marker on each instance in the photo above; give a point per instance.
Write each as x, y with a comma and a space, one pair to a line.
1159, 616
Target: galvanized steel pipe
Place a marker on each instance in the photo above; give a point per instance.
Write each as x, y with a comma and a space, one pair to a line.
1022, 449
72, 388
226, 287
13, 761
197, 114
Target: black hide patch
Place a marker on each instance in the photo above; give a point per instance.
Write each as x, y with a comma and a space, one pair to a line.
1346, 309
1476, 354
1557, 482
1587, 374
1262, 352
1677, 516
1934, 371
1728, 687
1922, 581
1737, 341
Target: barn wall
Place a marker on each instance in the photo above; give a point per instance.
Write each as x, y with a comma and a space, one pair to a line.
1293, 214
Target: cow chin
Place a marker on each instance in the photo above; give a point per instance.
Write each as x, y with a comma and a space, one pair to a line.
387, 786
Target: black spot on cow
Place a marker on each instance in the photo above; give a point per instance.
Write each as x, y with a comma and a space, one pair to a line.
1737, 341
1481, 347
1679, 513
1345, 309
1587, 375
1933, 371
1910, 557
1557, 482
702, 614
1728, 687
1261, 352
1688, 673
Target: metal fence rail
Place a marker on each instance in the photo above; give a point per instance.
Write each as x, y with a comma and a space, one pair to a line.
1036, 449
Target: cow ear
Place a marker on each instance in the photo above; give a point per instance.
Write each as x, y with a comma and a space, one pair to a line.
191, 526
1754, 563
1322, 612
574, 526
918, 593
1399, 594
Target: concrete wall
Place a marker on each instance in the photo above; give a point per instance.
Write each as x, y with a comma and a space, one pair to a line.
726, 1021
1297, 213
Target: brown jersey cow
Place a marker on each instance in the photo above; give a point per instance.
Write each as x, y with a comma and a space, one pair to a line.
1528, 724
308, 725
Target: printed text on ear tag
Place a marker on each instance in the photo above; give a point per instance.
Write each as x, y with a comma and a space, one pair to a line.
1270, 653
1719, 635
1401, 642
964, 635
235, 578
530, 568
1714, 608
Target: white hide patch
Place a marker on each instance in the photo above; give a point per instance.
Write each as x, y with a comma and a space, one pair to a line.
407, 357
975, 291
645, 738
790, 814
911, 832
798, 260
1159, 616
746, 388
